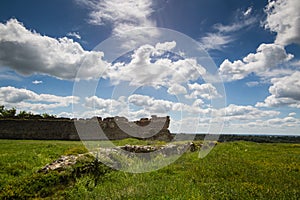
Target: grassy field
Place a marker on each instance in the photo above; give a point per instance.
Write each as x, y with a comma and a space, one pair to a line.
233, 170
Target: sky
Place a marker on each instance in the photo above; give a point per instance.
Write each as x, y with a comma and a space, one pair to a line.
213, 66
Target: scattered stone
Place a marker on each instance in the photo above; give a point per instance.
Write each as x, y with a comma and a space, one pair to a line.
60, 164
107, 155
139, 149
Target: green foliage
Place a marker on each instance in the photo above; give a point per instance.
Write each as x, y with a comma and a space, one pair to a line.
48, 116
25, 115
7, 113
11, 114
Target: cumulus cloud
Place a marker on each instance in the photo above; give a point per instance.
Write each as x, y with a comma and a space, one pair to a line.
151, 104
285, 125
248, 112
27, 99
161, 48
285, 121
285, 91
292, 114
176, 89
159, 106
28, 52
205, 91
143, 71
104, 105
264, 61
135, 106
238, 119
283, 18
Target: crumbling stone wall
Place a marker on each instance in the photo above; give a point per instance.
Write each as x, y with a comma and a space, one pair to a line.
64, 129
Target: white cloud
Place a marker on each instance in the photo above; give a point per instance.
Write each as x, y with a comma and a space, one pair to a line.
248, 11
198, 103
285, 91
122, 15
238, 119
141, 71
66, 114
224, 33
190, 125
283, 17
205, 91
264, 61
104, 105
163, 47
176, 89
133, 107
74, 34
238, 112
130, 21
159, 106
37, 82
252, 83
279, 121
288, 126
28, 52
151, 104
215, 41
235, 26
27, 99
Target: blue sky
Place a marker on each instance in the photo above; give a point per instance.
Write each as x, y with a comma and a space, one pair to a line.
55, 57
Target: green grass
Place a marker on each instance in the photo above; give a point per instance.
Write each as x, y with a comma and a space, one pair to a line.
233, 170
23, 157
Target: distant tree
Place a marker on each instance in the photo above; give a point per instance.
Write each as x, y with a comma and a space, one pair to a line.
1, 108
25, 115
48, 116
11, 113
7, 113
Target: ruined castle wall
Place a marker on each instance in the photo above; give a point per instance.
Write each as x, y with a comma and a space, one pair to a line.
57, 129
38, 129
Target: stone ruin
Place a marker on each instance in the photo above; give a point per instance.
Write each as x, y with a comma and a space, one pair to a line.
67, 161
155, 128
113, 128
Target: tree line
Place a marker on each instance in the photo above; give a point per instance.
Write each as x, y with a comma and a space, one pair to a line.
255, 138
11, 113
